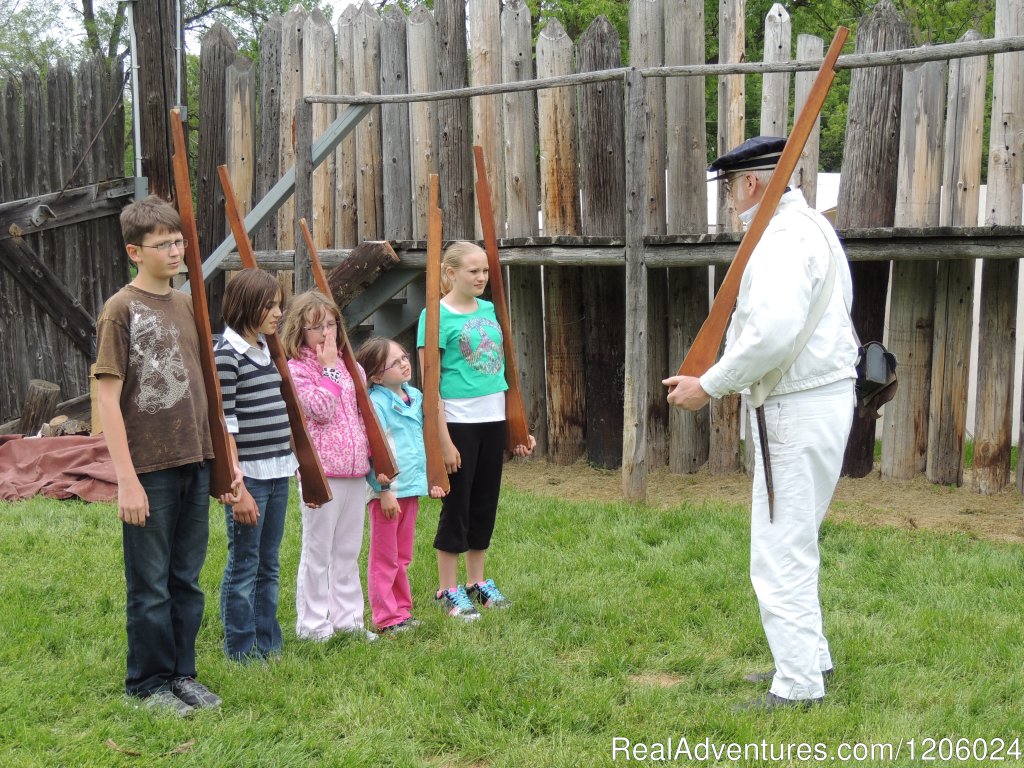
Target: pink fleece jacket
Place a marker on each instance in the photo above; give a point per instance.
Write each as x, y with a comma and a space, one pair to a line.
333, 419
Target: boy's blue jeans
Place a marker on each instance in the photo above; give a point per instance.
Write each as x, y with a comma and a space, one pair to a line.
252, 576
162, 561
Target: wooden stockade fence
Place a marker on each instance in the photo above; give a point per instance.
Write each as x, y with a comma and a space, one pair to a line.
609, 145
61, 256
609, 284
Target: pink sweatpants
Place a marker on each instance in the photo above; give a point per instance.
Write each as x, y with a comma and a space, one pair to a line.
387, 578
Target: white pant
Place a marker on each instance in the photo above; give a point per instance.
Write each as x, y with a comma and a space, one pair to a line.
807, 433
328, 593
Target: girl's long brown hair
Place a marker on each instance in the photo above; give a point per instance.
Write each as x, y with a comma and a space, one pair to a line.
248, 297
311, 307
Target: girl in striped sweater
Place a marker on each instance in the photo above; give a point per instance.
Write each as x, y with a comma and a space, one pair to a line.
258, 423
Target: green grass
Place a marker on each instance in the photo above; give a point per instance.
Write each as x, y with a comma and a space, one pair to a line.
627, 622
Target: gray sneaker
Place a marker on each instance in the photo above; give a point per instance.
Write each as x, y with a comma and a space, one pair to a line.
194, 693
165, 702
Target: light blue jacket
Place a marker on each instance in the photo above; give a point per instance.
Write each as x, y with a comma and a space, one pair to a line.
403, 425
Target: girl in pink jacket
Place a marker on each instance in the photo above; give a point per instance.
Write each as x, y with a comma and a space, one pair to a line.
328, 594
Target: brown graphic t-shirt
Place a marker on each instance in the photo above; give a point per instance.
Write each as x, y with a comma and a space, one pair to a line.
150, 343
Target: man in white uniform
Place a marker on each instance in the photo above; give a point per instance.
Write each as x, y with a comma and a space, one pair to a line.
808, 411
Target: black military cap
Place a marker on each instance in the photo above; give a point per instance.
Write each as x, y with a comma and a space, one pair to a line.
761, 153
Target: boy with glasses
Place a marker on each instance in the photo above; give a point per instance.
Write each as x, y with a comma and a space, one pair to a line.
152, 404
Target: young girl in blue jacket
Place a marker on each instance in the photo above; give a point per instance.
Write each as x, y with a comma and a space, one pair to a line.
399, 407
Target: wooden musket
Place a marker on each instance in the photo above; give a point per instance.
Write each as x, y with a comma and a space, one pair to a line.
315, 490
706, 345
436, 473
380, 451
515, 412
220, 468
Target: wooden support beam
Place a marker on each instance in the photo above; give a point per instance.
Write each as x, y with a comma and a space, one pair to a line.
855, 61
60, 209
861, 245
49, 293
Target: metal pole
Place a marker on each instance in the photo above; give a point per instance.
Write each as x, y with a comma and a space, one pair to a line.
141, 183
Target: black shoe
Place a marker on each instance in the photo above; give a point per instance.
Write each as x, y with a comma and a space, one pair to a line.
767, 677
770, 701
194, 693
395, 629
163, 701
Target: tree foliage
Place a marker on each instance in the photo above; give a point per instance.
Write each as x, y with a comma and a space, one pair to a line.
32, 36
34, 33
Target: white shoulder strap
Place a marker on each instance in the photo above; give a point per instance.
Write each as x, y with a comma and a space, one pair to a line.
760, 390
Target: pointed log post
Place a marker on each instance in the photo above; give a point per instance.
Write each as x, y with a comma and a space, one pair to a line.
563, 300
602, 174
303, 191
647, 49
394, 78
634, 429
455, 161
687, 212
954, 285
994, 410
867, 191
808, 48
912, 302
724, 454
519, 116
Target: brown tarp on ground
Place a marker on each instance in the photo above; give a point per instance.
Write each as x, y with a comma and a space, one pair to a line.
57, 467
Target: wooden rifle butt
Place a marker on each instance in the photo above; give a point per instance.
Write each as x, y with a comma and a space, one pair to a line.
518, 430
221, 472
437, 475
704, 350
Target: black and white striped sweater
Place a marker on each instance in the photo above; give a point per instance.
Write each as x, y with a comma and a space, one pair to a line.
251, 393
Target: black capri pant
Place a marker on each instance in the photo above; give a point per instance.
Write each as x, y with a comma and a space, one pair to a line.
469, 509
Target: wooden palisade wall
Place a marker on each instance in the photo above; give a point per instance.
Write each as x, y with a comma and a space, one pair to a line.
563, 154
64, 131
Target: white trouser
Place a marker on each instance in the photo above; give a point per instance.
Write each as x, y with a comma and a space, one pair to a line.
328, 593
807, 434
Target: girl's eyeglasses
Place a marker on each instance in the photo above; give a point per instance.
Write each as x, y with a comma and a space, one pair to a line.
322, 327
403, 359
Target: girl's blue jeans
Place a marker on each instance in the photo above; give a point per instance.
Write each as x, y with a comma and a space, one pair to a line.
252, 576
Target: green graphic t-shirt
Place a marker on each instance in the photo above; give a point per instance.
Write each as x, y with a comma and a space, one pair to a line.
472, 358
